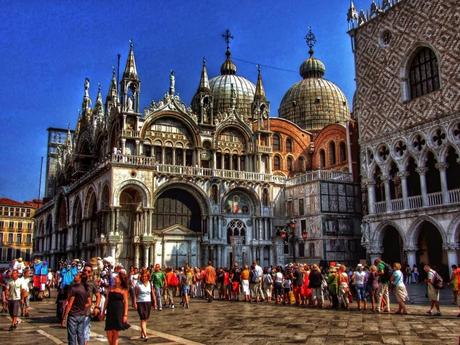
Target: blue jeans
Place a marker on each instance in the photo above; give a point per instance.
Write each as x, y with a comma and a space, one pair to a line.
76, 329
360, 292
159, 294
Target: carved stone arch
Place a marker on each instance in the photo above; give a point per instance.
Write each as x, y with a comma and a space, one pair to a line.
254, 198
202, 197
453, 231
453, 131
90, 198
186, 120
433, 134
105, 186
77, 210
413, 232
61, 205
399, 149
379, 233
137, 185
371, 169
424, 154
241, 127
406, 62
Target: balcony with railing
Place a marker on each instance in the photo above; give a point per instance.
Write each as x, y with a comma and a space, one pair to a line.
181, 170
329, 175
130, 133
417, 202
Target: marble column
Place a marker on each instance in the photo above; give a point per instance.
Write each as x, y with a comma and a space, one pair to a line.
371, 196
405, 195
123, 145
146, 255
386, 185
451, 256
136, 255
411, 256
442, 174
422, 172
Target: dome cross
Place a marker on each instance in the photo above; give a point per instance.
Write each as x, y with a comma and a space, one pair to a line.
227, 37
310, 38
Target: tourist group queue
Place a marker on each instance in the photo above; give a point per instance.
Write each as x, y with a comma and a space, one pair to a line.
102, 290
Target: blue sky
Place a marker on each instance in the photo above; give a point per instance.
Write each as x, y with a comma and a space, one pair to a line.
49, 47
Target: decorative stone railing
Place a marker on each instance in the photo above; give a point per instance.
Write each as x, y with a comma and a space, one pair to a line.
416, 202
142, 161
131, 133
329, 175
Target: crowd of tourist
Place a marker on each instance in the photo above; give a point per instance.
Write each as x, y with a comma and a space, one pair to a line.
103, 290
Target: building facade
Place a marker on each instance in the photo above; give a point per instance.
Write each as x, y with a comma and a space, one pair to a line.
176, 183
16, 229
407, 104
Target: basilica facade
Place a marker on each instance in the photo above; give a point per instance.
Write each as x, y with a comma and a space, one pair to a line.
218, 179
407, 103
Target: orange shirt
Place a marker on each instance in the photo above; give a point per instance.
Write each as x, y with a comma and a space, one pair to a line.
245, 275
210, 275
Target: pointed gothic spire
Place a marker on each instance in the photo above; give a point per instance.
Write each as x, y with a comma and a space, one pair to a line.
86, 104
130, 69
68, 139
113, 90
352, 12
260, 91
204, 80
172, 83
99, 95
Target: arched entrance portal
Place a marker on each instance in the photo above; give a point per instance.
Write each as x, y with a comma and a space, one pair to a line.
430, 246
392, 246
128, 224
177, 206
178, 219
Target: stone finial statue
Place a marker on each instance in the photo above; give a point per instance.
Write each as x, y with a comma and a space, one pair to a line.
172, 83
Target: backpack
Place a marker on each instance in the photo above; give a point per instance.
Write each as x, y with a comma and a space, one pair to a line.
268, 280
254, 277
173, 280
437, 281
387, 272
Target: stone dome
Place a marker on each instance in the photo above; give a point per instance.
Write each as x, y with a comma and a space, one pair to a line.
314, 102
221, 90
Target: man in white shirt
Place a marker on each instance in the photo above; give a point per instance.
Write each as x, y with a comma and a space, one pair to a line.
15, 291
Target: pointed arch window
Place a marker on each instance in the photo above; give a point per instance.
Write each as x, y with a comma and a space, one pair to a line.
289, 164
423, 73
289, 146
277, 163
322, 159
276, 142
332, 156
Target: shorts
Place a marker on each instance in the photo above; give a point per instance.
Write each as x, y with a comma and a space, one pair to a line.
13, 307
278, 289
186, 290
360, 292
143, 309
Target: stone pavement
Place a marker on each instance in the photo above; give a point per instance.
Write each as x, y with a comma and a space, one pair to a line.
239, 323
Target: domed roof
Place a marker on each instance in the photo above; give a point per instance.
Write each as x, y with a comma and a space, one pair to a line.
314, 102
221, 90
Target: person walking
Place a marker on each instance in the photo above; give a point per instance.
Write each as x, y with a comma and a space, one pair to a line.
245, 274
454, 282
116, 307
358, 279
372, 286
158, 280
399, 288
144, 300
384, 273
78, 303
186, 284
14, 293
210, 280
315, 280
88, 280
172, 282
434, 283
